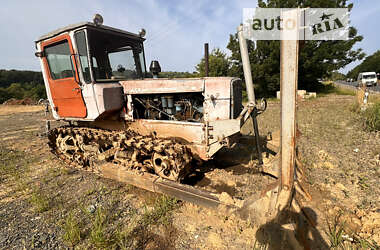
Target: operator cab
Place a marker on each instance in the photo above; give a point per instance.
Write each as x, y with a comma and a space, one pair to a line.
82, 65
113, 56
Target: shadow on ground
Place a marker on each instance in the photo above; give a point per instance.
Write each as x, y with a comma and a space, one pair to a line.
292, 230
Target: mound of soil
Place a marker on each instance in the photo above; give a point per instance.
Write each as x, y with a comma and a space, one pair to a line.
25, 101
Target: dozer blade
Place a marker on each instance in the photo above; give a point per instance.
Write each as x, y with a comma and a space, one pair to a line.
156, 184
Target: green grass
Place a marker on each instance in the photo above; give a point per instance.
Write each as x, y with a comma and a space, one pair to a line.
98, 235
40, 201
139, 226
15, 167
343, 91
335, 231
72, 230
160, 212
101, 237
336, 235
329, 88
12, 163
372, 117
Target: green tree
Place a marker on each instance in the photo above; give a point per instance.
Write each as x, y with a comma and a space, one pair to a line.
37, 92
317, 59
370, 64
218, 64
4, 95
7, 77
175, 74
16, 91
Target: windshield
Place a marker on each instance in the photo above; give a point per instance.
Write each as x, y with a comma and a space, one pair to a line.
115, 57
372, 76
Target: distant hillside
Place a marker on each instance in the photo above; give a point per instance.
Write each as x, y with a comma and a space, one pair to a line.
21, 84
370, 64
7, 77
175, 74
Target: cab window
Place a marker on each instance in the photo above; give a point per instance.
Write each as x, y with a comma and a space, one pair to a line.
117, 57
59, 60
80, 38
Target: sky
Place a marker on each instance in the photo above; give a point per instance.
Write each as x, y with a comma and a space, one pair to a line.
176, 30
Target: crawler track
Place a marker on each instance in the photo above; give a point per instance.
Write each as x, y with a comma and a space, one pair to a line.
87, 148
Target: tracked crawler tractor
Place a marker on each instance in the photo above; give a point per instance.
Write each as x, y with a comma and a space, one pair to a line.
127, 124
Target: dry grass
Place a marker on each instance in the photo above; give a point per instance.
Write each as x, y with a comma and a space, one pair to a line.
13, 109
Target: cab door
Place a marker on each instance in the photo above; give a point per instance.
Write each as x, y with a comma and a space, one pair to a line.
61, 70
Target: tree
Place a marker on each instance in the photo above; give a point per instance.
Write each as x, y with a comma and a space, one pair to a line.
370, 64
219, 64
7, 77
317, 59
4, 95
16, 91
175, 74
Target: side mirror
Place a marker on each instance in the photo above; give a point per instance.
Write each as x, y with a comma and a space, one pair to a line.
39, 54
155, 68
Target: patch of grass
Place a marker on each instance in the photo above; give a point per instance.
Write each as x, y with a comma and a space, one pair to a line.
90, 191
374, 98
138, 228
372, 117
343, 91
329, 88
365, 244
72, 230
160, 212
14, 168
98, 235
11, 163
40, 201
335, 232
355, 107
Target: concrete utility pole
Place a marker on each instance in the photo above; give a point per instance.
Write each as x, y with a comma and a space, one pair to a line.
246, 65
288, 89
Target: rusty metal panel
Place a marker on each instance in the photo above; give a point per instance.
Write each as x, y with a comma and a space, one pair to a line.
222, 129
218, 109
157, 86
219, 87
217, 104
191, 134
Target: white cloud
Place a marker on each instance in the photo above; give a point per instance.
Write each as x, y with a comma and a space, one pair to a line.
176, 31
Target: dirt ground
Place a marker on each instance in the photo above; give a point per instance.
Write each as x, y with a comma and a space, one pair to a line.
44, 204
